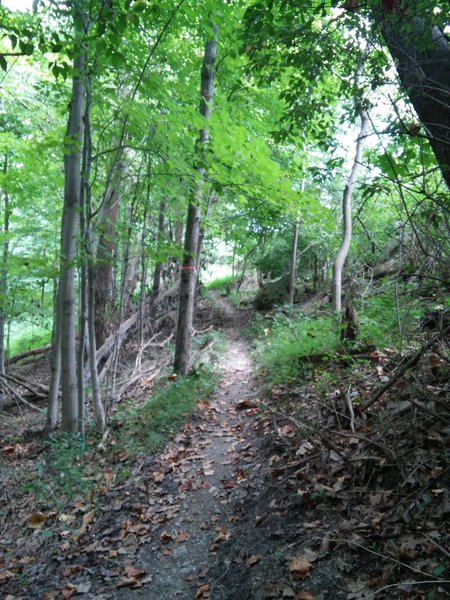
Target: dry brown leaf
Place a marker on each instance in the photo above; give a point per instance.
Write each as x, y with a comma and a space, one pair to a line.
259, 519
311, 524
68, 592
165, 537
305, 596
182, 537
69, 571
132, 571
36, 520
202, 591
299, 568
252, 560
88, 518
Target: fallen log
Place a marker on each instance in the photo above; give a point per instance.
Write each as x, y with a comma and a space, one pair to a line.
340, 356
29, 353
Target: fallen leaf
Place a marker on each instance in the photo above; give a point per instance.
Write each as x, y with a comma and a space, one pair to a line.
202, 591
132, 571
69, 571
36, 520
165, 537
182, 537
252, 560
299, 568
68, 592
259, 519
305, 596
87, 519
83, 587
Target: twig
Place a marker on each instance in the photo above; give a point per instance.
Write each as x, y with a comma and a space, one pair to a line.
393, 585
386, 451
17, 397
391, 558
350, 408
23, 384
435, 543
402, 369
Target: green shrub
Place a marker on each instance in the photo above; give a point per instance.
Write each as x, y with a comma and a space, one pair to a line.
289, 336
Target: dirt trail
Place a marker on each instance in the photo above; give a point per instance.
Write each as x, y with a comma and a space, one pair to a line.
203, 468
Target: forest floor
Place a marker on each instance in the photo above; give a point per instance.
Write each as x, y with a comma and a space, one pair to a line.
262, 494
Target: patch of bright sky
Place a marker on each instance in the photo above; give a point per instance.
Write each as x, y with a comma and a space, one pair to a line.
21, 5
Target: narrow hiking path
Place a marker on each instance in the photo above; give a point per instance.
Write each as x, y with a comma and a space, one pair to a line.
196, 479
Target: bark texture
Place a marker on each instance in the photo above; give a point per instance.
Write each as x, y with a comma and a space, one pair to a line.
188, 275
347, 215
69, 228
422, 57
293, 266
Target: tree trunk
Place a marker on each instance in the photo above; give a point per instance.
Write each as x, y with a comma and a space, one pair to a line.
159, 266
421, 53
293, 266
69, 228
55, 365
188, 271
347, 215
104, 272
4, 270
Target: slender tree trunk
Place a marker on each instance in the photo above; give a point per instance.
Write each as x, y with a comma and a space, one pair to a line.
202, 231
347, 215
179, 243
293, 266
89, 254
160, 236
4, 270
71, 209
55, 365
188, 269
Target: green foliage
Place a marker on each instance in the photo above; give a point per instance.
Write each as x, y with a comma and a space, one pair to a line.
64, 474
219, 283
144, 429
383, 323
26, 336
289, 336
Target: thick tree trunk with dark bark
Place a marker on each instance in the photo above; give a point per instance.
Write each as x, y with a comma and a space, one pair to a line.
104, 272
188, 276
421, 53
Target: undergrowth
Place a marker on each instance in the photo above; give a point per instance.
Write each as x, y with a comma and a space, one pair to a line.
291, 334
74, 468
221, 282
143, 429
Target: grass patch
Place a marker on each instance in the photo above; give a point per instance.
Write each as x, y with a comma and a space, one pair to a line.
143, 429
73, 468
220, 283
